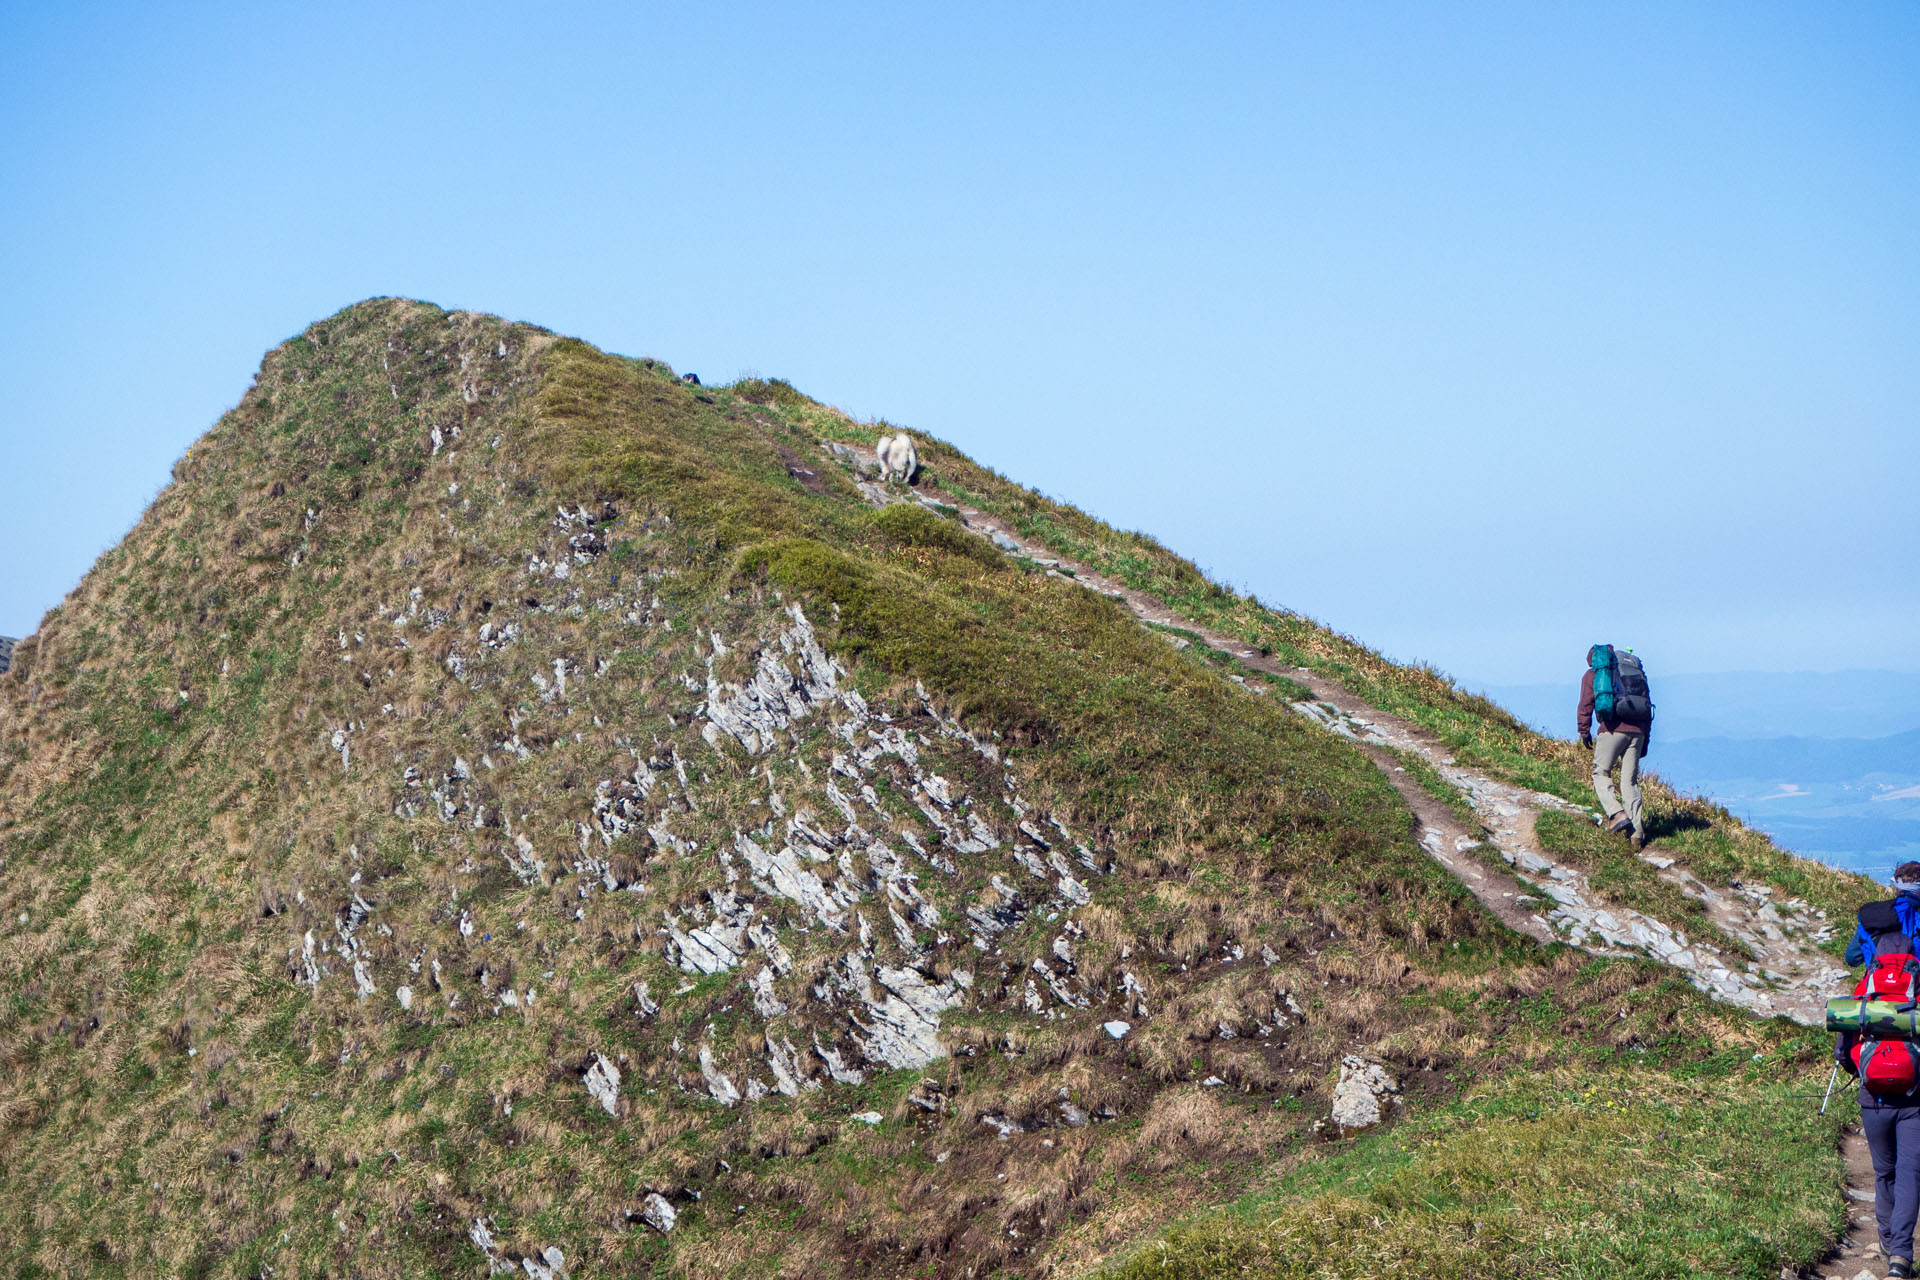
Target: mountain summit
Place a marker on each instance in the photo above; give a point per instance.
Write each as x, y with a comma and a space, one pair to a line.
508, 809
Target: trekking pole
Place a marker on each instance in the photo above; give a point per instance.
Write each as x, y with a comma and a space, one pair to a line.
1831, 1077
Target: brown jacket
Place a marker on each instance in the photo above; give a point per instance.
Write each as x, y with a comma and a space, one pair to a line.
1642, 727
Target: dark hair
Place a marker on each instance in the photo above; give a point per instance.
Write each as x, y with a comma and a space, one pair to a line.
1908, 871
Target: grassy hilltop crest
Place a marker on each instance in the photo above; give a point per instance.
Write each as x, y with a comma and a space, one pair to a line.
744, 849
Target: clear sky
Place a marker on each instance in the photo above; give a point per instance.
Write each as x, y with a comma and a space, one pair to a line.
1479, 331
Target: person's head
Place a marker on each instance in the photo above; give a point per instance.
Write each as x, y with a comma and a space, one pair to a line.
1906, 877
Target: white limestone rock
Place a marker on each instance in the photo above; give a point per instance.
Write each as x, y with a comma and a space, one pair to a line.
789, 1077
903, 1030
761, 935
603, 1082
777, 695
980, 837
657, 1213
719, 1084
765, 1002
1364, 1087
708, 950
309, 963
837, 1066
782, 875
482, 1236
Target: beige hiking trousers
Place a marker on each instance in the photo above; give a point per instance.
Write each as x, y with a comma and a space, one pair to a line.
1622, 749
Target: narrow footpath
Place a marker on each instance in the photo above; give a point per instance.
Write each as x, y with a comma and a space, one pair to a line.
1497, 857
1858, 1256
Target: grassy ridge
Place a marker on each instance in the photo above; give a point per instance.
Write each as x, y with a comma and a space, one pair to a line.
176, 814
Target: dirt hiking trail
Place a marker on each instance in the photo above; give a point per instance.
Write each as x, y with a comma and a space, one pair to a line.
1858, 1256
1497, 857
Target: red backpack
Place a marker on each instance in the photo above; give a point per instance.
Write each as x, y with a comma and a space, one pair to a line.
1894, 978
1889, 1068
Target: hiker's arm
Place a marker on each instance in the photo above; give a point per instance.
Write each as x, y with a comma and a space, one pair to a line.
1586, 709
1843, 1052
1857, 950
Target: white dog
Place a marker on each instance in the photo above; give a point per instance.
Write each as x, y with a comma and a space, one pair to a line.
897, 457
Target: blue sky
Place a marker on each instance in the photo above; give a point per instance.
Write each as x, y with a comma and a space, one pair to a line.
1481, 332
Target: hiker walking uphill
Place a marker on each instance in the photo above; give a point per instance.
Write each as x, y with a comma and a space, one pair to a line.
1889, 1069
1614, 696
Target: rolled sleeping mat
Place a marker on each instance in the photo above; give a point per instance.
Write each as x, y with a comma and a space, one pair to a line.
1875, 1019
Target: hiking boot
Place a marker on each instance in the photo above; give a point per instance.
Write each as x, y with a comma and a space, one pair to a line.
1900, 1267
1641, 840
1619, 821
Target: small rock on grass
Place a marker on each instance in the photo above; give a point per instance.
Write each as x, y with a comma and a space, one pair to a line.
1363, 1087
603, 1082
657, 1213
1117, 1029
868, 1117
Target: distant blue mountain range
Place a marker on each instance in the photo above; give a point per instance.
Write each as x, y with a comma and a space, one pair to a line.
1804, 760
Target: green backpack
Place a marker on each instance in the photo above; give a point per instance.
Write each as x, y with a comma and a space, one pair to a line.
1620, 689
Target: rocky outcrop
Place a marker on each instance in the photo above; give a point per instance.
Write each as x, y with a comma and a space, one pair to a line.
835, 859
902, 1029
785, 687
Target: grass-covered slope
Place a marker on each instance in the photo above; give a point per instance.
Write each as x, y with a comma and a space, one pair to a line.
499, 790
1557, 1173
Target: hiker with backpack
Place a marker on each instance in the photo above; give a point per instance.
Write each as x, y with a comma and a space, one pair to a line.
1889, 1069
1614, 696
